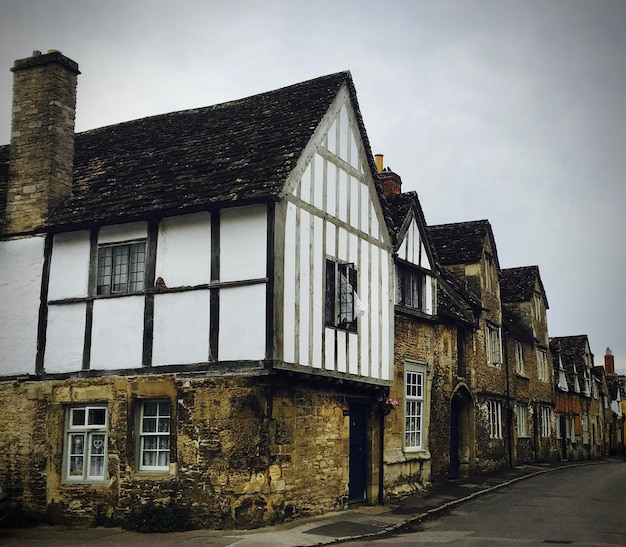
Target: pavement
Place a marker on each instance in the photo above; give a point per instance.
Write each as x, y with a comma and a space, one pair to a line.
360, 522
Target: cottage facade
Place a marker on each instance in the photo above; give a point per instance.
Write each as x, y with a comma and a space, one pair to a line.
197, 305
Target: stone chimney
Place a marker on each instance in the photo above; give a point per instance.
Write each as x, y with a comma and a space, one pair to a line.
392, 183
41, 153
609, 361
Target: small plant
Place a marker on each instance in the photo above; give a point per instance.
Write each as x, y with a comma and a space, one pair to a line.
386, 405
150, 517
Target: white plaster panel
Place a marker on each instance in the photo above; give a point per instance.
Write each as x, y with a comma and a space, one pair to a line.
21, 264
332, 138
318, 291
242, 323
65, 338
375, 311
329, 349
331, 239
386, 317
402, 250
353, 353
375, 226
343, 191
289, 286
184, 250
354, 201
354, 151
318, 182
69, 265
243, 243
181, 328
305, 288
366, 320
365, 209
123, 232
331, 190
342, 351
429, 295
344, 142
117, 333
342, 251
424, 260
305, 185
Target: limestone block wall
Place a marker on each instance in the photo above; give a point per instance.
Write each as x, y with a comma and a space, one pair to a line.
243, 454
406, 472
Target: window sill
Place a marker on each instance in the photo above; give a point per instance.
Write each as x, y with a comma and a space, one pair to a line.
522, 376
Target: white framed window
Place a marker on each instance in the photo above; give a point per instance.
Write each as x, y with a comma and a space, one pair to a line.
121, 268
562, 385
542, 365
519, 357
414, 401
340, 297
537, 307
544, 419
85, 450
522, 420
586, 383
584, 422
410, 288
493, 345
488, 272
154, 435
495, 419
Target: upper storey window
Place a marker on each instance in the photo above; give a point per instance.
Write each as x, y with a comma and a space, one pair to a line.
489, 283
411, 288
537, 307
342, 306
121, 268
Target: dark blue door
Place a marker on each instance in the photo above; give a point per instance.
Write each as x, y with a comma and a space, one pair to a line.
358, 452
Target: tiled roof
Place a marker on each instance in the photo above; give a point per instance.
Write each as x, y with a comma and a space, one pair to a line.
456, 302
400, 208
518, 284
462, 242
240, 151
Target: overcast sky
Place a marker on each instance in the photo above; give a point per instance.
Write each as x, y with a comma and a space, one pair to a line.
513, 111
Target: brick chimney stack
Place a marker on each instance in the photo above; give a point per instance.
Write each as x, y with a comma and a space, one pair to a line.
392, 183
41, 154
609, 361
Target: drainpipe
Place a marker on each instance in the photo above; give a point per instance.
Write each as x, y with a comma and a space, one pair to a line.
381, 462
509, 412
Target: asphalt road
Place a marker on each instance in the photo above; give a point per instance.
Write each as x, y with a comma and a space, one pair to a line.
574, 506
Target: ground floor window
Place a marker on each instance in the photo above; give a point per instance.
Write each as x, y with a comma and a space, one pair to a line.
544, 417
522, 420
414, 395
495, 419
154, 436
85, 449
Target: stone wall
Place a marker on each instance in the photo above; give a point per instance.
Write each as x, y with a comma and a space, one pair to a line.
243, 454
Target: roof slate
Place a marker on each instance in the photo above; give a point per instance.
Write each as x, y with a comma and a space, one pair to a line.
462, 242
518, 284
239, 151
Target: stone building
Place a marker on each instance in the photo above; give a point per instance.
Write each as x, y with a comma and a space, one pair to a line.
531, 395
467, 251
196, 306
407, 453
580, 416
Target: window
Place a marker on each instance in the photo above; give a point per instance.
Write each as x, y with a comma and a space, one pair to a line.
121, 268
562, 385
86, 444
585, 428
493, 346
586, 383
341, 299
537, 307
522, 420
411, 287
519, 357
544, 417
495, 419
154, 436
542, 365
413, 406
488, 272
